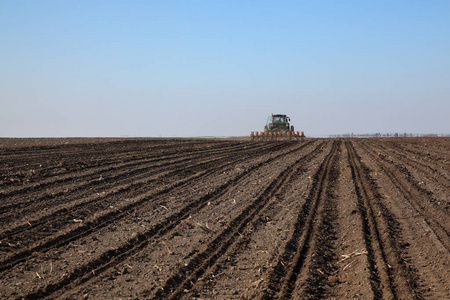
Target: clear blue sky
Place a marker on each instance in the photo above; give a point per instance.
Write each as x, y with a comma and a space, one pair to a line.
219, 68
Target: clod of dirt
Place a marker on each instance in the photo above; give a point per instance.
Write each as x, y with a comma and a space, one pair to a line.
332, 279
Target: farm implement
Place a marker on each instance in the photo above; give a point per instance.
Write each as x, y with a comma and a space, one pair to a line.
277, 128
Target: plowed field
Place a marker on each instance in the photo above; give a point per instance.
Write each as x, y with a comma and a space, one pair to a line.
225, 219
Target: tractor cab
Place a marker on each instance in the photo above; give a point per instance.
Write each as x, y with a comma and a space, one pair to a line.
278, 123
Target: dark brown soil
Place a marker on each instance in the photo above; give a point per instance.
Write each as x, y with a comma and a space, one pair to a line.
225, 219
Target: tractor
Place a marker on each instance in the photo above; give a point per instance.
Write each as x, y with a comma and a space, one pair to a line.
277, 127
278, 123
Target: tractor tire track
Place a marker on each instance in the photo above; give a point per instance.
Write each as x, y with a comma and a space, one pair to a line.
430, 172
183, 279
64, 216
88, 159
198, 171
292, 262
113, 257
323, 252
125, 177
58, 161
435, 218
80, 210
225, 219
429, 154
391, 276
94, 173
322, 269
241, 242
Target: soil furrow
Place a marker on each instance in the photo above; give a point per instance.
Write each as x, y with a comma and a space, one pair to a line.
67, 186
430, 172
112, 257
116, 147
229, 218
391, 276
97, 171
184, 278
321, 274
59, 162
285, 273
141, 199
435, 218
63, 195
65, 216
199, 171
89, 205
440, 158
380, 278
243, 240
